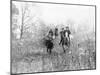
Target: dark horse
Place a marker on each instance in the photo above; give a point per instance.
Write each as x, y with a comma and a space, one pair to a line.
65, 41
49, 45
49, 42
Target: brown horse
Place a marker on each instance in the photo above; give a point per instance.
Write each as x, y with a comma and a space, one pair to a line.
65, 41
49, 42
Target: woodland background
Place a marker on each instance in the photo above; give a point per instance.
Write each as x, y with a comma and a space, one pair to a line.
28, 51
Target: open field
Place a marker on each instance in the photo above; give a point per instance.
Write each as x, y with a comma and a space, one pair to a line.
29, 56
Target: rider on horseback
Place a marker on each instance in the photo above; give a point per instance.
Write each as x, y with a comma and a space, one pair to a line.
65, 38
62, 36
49, 42
66, 35
56, 32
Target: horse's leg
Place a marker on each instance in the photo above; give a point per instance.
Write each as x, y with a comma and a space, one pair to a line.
69, 42
63, 48
47, 50
50, 51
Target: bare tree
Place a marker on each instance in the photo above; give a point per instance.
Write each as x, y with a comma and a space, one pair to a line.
25, 18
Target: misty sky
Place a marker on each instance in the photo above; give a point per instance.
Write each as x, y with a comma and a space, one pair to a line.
60, 14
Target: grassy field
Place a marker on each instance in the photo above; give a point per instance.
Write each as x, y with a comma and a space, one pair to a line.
30, 56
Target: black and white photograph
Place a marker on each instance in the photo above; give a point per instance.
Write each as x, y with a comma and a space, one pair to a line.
52, 37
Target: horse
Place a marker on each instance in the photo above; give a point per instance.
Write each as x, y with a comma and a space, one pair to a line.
65, 42
48, 41
49, 45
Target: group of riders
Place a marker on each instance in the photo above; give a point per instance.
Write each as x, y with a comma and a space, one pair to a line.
64, 38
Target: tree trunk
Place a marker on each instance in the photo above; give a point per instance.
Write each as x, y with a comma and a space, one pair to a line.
21, 34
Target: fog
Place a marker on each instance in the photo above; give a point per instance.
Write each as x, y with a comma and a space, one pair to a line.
62, 14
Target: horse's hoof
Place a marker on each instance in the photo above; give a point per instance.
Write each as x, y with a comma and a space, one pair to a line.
64, 51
